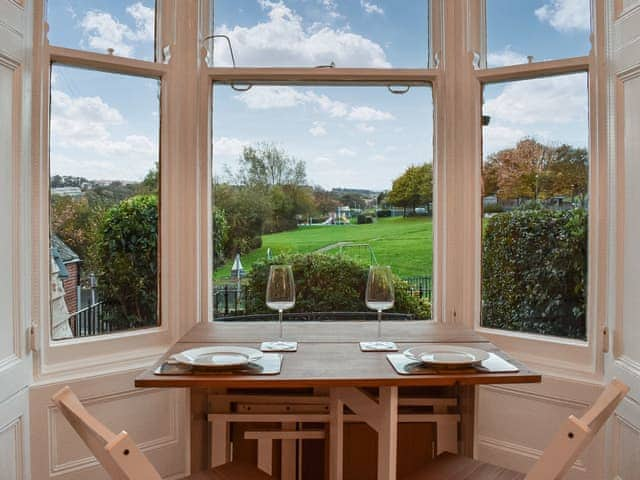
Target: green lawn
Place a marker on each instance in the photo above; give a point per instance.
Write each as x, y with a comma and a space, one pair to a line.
404, 243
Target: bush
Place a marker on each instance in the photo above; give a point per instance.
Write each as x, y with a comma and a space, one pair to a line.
220, 236
493, 208
127, 252
383, 213
534, 271
362, 219
327, 283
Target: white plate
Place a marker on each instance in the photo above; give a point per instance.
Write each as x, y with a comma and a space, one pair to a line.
227, 356
446, 355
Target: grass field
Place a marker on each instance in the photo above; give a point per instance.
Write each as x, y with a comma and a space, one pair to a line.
404, 243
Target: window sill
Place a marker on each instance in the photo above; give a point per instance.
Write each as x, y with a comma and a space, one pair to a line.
558, 357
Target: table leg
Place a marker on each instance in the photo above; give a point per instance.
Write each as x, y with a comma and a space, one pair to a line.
336, 435
467, 406
388, 433
199, 430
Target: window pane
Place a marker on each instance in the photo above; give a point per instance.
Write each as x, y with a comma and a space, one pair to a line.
127, 27
331, 180
352, 33
543, 29
104, 202
535, 187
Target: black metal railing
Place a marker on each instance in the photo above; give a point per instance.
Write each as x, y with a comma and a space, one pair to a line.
231, 299
89, 321
317, 317
420, 285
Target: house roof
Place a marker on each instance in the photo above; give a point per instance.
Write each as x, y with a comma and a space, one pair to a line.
63, 250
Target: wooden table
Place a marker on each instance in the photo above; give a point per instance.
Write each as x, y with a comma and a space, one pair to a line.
328, 356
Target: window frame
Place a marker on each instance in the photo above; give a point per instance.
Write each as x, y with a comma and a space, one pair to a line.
557, 355
128, 348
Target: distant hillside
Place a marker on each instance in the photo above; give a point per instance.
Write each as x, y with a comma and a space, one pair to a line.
355, 191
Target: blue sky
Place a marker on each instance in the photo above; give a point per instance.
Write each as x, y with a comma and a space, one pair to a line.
348, 136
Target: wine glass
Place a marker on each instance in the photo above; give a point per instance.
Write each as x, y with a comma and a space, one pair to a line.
281, 295
379, 296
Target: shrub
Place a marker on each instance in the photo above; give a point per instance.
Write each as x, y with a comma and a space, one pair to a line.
493, 208
327, 283
220, 236
362, 219
534, 268
127, 252
383, 213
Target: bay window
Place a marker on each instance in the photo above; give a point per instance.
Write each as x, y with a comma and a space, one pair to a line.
360, 92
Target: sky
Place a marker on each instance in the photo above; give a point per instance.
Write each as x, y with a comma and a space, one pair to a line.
105, 126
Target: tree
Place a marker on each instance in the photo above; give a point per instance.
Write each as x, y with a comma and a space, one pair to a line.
413, 188
569, 172
246, 211
220, 236
127, 250
267, 165
535, 171
325, 202
75, 221
150, 182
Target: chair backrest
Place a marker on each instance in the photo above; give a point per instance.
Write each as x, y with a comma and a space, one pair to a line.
575, 435
117, 453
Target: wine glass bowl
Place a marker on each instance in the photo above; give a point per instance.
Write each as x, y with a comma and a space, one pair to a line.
379, 296
280, 296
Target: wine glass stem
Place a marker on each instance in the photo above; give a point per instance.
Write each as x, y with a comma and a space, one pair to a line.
379, 324
280, 322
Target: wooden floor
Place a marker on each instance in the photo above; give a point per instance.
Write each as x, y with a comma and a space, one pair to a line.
455, 467
231, 471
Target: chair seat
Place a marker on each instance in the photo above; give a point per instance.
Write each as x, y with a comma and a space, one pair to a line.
448, 466
231, 471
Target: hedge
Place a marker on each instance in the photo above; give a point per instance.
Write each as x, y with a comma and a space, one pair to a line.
534, 272
328, 283
127, 252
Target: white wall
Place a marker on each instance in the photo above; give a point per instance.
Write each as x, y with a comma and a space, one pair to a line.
155, 418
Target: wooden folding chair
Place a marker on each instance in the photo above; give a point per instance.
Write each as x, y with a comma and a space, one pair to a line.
574, 435
120, 456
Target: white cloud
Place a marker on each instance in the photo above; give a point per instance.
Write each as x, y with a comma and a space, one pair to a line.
318, 129
371, 7
103, 31
331, 107
566, 15
270, 97
265, 98
323, 162
145, 19
283, 40
505, 57
346, 152
367, 114
82, 127
552, 100
331, 7
498, 138
365, 128
228, 146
